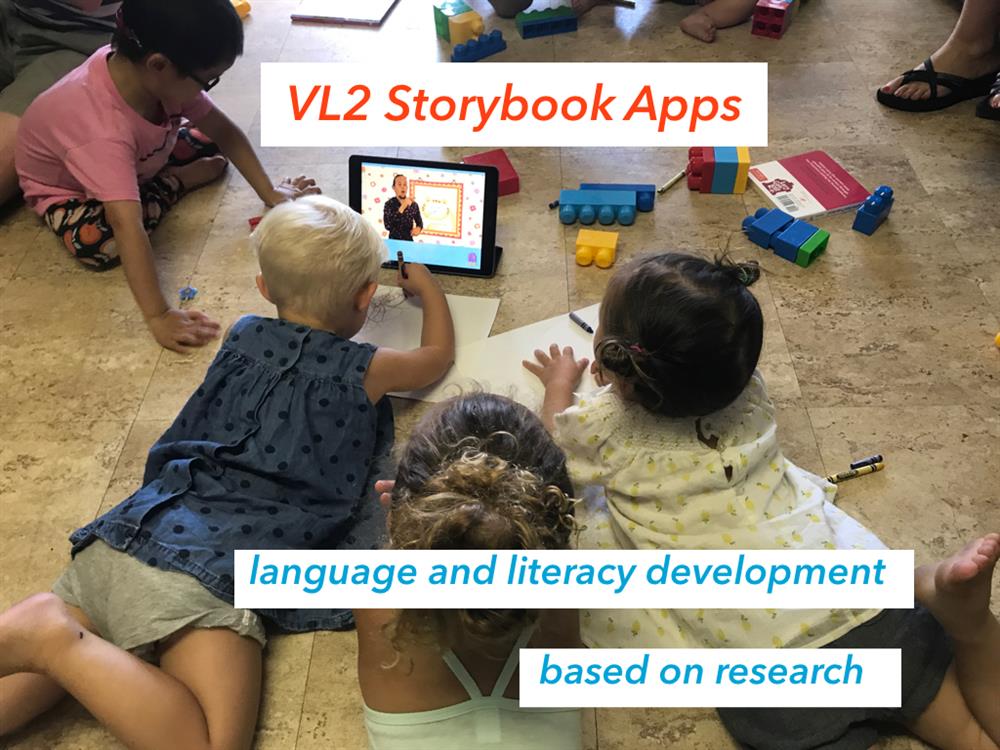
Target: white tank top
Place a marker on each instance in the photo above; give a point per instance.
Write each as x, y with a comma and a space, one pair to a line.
485, 722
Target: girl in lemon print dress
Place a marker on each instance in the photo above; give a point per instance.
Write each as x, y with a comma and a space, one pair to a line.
678, 449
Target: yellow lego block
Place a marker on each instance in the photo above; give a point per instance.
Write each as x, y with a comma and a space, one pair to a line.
242, 7
594, 246
464, 27
742, 169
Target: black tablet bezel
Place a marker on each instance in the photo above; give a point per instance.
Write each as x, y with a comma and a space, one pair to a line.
489, 253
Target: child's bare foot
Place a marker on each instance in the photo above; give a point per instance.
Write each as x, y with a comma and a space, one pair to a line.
200, 171
957, 589
34, 631
699, 25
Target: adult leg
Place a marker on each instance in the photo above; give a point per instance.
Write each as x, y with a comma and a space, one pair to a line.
205, 696
957, 593
971, 51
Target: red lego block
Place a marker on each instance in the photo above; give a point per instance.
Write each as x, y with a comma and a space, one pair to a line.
772, 17
253, 221
509, 182
700, 168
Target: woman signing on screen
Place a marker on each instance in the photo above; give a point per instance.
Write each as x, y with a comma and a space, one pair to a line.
402, 216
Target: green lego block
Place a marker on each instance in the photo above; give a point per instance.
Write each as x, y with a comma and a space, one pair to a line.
445, 9
812, 248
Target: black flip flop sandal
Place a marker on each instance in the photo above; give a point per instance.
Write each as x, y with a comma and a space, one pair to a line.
986, 110
961, 89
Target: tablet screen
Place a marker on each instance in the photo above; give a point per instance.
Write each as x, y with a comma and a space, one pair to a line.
434, 214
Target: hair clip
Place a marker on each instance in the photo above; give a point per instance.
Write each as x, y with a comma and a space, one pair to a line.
637, 349
749, 272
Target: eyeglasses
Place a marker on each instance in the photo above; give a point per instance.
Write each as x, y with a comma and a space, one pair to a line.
205, 85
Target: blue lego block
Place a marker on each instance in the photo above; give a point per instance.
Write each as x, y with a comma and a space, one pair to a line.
788, 241
764, 224
535, 23
874, 210
645, 195
188, 293
727, 164
477, 49
605, 206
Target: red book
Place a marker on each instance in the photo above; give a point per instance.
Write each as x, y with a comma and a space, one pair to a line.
509, 182
808, 185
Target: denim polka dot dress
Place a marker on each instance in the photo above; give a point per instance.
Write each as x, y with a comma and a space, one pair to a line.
279, 448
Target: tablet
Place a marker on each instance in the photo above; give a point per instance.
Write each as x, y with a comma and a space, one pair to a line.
440, 214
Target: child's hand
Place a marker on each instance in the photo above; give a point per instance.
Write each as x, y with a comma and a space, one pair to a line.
419, 280
384, 489
557, 367
292, 188
183, 330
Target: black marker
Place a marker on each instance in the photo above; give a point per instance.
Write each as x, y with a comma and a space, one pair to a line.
580, 322
402, 264
866, 461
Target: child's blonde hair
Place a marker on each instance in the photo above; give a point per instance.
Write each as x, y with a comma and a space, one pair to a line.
315, 253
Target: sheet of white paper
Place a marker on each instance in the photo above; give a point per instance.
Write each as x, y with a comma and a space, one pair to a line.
396, 322
494, 365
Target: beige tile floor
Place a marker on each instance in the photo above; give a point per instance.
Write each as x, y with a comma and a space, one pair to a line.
884, 346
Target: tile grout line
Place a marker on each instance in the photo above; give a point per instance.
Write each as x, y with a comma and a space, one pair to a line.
305, 689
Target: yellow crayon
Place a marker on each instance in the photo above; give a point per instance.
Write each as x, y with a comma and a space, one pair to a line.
859, 472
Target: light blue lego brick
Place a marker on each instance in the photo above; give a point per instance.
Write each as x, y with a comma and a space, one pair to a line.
645, 194
787, 242
606, 206
764, 224
727, 164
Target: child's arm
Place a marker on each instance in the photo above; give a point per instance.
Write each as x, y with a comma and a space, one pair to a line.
393, 370
236, 147
174, 329
560, 373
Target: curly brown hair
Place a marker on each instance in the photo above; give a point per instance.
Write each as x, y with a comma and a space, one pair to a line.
479, 472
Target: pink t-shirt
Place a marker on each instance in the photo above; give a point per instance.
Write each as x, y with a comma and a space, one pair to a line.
80, 139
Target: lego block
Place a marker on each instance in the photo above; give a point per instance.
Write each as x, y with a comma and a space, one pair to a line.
535, 23
477, 49
874, 210
700, 168
242, 7
444, 10
605, 206
509, 181
188, 293
812, 248
253, 221
764, 224
465, 27
771, 18
726, 166
645, 195
595, 246
787, 242
742, 169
